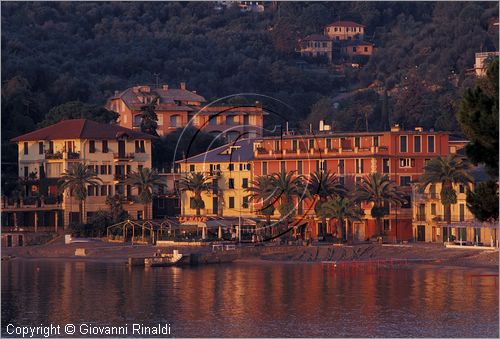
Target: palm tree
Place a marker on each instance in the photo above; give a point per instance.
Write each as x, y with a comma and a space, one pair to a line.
145, 180
116, 207
447, 171
381, 191
344, 210
197, 183
286, 187
323, 186
262, 191
76, 179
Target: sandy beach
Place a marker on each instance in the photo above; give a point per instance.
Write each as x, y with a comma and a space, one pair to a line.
434, 254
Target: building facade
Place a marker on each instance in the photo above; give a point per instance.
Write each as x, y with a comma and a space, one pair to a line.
399, 154
229, 168
179, 107
111, 151
316, 45
345, 30
430, 222
482, 62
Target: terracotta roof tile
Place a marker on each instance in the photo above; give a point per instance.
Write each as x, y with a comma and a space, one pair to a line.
80, 129
345, 24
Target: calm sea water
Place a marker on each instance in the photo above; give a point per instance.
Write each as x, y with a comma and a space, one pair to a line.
252, 299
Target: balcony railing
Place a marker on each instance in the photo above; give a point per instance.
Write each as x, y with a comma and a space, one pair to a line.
31, 202
73, 155
57, 155
421, 217
123, 156
120, 176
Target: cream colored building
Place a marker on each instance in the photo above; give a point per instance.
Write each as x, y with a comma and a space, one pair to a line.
481, 64
345, 30
429, 217
230, 170
45, 154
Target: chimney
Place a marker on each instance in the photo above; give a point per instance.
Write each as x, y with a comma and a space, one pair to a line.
116, 93
183, 85
395, 128
321, 125
165, 87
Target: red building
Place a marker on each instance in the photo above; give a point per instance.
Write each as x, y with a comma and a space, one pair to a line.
400, 154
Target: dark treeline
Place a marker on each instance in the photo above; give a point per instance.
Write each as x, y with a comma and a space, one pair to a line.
56, 52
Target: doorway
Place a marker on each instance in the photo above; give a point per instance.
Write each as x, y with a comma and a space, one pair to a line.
420, 232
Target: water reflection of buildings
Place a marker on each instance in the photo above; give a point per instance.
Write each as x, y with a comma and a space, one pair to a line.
247, 299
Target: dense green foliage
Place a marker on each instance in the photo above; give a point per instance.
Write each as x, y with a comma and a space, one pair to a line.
478, 117
483, 201
57, 52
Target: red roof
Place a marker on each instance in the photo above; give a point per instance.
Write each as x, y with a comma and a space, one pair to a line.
81, 129
316, 37
345, 24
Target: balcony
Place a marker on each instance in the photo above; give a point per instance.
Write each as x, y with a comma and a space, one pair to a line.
119, 176
73, 155
31, 203
53, 156
421, 217
123, 156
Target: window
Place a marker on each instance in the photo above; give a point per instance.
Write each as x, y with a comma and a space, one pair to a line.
139, 168
51, 147
461, 189
119, 189
375, 141
385, 166
192, 204
139, 146
329, 143
174, 120
366, 49
359, 166
354, 49
104, 190
191, 168
212, 121
91, 146
105, 148
311, 143
246, 120
245, 202
109, 169
403, 147
341, 167
433, 209
104, 169
90, 191
25, 146
139, 215
231, 202
358, 181
282, 166
299, 167
404, 180
231, 120
461, 212
40, 147
294, 145
322, 165
230, 167
417, 143
230, 183
387, 225
342, 180
406, 163
276, 145
264, 168
430, 144
356, 142
26, 171
244, 183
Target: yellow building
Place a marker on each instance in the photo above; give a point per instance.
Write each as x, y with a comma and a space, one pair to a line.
230, 170
429, 219
345, 30
316, 45
110, 150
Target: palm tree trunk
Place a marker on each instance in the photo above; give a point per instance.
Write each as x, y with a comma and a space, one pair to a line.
80, 209
198, 211
379, 226
447, 213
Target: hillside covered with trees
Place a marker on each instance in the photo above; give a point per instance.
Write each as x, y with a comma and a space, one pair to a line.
58, 52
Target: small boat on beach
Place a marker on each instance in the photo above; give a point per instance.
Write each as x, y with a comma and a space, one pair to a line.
165, 259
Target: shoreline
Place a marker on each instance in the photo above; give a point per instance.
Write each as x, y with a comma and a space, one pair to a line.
434, 255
